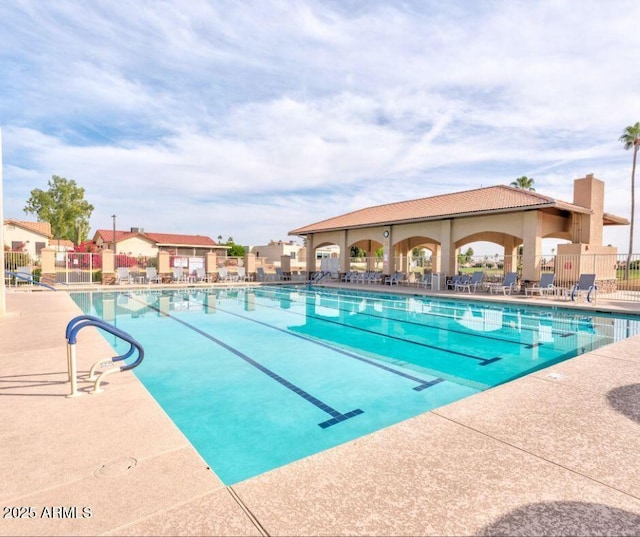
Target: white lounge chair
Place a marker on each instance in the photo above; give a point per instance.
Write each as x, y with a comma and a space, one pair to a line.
178, 275
202, 276
544, 287
123, 276
152, 276
508, 284
24, 275
223, 275
425, 281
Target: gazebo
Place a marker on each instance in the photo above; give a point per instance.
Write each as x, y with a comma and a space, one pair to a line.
507, 216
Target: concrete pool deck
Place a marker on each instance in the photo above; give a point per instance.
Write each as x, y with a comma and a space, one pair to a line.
554, 453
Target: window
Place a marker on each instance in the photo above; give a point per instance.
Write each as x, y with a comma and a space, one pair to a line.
40, 246
17, 246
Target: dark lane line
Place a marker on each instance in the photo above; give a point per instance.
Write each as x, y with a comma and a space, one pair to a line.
336, 416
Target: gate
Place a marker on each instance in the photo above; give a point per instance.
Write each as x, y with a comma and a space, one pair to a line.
76, 267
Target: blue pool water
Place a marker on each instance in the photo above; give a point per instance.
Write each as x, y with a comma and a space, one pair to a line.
259, 377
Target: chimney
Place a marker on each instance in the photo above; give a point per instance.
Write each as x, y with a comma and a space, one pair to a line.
588, 192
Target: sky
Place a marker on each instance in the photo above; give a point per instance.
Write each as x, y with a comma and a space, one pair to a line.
250, 119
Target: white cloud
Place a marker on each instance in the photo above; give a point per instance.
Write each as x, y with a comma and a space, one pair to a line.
250, 119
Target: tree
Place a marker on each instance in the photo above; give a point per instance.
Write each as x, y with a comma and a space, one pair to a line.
631, 138
358, 252
64, 207
524, 182
236, 250
464, 258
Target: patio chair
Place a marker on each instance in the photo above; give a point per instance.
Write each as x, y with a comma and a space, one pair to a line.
455, 279
544, 287
152, 276
359, 277
394, 279
178, 275
475, 280
374, 277
123, 276
242, 275
223, 275
202, 276
509, 283
23, 275
346, 277
424, 281
586, 285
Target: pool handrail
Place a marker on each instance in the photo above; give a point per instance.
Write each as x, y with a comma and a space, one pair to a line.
29, 279
71, 332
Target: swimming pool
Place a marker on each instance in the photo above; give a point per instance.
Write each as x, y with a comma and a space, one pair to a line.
259, 377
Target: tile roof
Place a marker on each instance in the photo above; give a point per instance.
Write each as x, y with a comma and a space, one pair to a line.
62, 242
43, 228
491, 199
164, 239
186, 240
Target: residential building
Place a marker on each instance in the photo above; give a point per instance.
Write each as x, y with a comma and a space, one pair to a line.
138, 242
27, 237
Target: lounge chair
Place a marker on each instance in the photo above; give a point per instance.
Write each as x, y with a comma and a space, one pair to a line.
152, 276
425, 281
281, 276
455, 279
374, 277
475, 280
394, 279
586, 285
23, 275
346, 277
360, 277
223, 275
242, 275
509, 283
178, 275
544, 287
123, 276
202, 276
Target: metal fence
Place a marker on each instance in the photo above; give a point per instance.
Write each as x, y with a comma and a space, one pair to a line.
77, 268
613, 279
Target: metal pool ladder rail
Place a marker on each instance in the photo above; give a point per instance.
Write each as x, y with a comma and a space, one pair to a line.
78, 323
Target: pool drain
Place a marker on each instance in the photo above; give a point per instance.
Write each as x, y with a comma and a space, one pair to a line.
115, 467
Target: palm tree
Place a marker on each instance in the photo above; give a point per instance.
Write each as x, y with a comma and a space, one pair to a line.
631, 138
524, 182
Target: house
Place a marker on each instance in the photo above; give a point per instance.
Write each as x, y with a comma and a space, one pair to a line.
28, 237
137, 242
272, 252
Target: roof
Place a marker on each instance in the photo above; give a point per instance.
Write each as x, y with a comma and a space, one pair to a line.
493, 199
63, 242
161, 239
43, 228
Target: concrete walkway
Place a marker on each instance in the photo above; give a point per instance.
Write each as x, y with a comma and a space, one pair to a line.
554, 453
